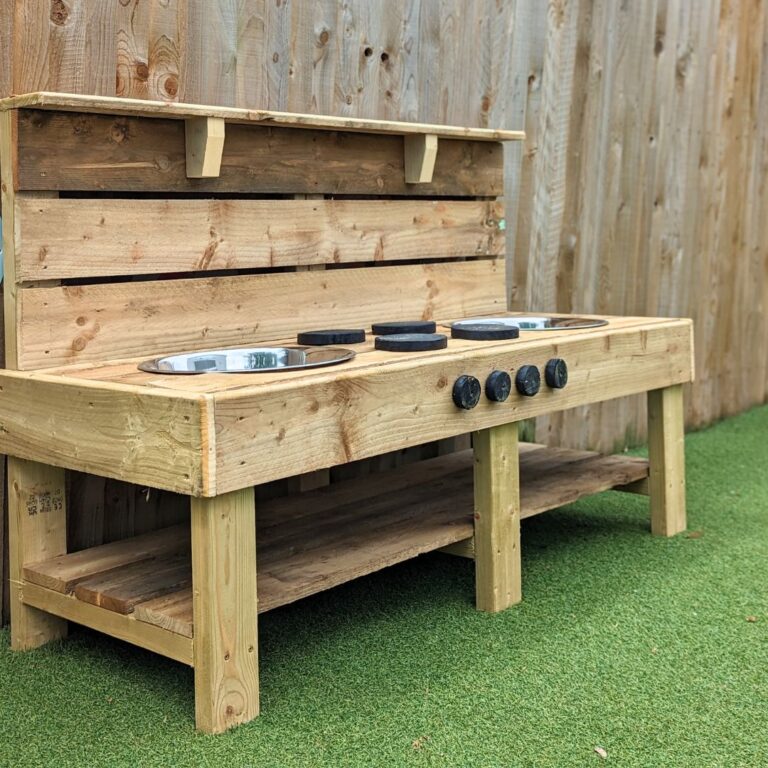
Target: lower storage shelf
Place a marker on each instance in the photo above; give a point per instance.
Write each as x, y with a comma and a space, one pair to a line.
313, 541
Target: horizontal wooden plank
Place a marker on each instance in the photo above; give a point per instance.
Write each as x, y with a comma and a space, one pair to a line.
108, 431
388, 407
64, 573
314, 541
246, 430
155, 639
59, 325
153, 109
60, 151
71, 238
138, 582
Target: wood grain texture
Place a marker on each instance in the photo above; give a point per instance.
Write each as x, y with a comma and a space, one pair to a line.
95, 237
46, 422
666, 454
395, 404
314, 541
64, 573
142, 107
498, 574
117, 625
661, 184
37, 516
118, 320
77, 151
652, 191
215, 433
225, 611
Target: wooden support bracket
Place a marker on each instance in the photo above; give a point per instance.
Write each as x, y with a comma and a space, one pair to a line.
420, 155
205, 145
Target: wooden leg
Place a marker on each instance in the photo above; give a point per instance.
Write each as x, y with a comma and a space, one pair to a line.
666, 454
497, 518
37, 531
225, 610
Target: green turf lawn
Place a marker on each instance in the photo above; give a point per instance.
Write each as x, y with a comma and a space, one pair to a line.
655, 650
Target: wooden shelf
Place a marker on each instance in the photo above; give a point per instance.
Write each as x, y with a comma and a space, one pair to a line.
175, 110
316, 540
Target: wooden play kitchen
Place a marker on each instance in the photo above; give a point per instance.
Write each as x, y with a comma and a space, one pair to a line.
139, 233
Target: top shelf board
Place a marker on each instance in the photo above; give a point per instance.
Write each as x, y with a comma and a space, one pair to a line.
139, 108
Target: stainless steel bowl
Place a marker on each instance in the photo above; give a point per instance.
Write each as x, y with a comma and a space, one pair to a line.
247, 360
535, 322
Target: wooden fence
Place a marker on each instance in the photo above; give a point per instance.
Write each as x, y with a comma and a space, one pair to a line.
642, 187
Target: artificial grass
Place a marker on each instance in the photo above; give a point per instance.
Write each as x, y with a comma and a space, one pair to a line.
655, 650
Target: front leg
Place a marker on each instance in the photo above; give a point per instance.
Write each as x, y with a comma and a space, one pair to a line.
666, 454
225, 608
497, 518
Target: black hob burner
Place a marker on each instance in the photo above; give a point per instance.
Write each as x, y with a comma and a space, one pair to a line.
404, 326
331, 337
411, 342
484, 331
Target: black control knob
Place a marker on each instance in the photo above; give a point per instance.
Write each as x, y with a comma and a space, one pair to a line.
498, 385
466, 392
556, 373
528, 380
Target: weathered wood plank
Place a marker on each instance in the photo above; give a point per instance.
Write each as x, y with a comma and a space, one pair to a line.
64, 573
123, 588
69, 102
118, 320
69, 151
66, 238
225, 610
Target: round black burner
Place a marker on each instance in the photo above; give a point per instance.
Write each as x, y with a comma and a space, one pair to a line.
411, 342
404, 326
330, 337
484, 331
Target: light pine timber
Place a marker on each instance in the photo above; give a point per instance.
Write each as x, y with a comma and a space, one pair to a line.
153, 109
238, 430
108, 431
666, 454
498, 576
61, 325
8, 168
420, 156
392, 404
225, 610
204, 137
67, 238
37, 531
58, 607
60, 151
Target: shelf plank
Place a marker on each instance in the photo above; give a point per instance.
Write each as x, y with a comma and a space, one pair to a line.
147, 108
313, 541
64, 573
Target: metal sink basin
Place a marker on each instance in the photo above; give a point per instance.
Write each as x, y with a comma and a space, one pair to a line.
247, 360
535, 322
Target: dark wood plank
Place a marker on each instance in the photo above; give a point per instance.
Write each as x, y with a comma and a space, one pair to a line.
77, 151
122, 589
